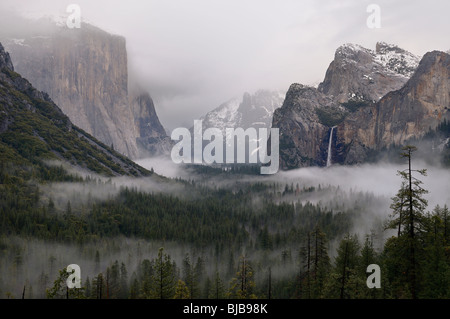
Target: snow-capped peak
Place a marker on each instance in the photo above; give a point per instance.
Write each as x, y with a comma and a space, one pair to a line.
396, 59
250, 110
388, 57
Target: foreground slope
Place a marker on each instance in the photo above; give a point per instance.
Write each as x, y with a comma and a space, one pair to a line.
34, 129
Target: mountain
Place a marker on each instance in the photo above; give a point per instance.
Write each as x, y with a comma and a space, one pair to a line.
302, 134
85, 72
357, 73
151, 136
410, 112
252, 110
368, 101
34, 131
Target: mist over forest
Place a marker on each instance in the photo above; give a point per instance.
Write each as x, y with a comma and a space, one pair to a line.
359, 136
356, 198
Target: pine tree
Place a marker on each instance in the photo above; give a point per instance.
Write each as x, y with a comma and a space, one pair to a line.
190, 277
436, 277
242, 286
145, 277
99, 286
87, 291
164, 276
123, 290
321, 262
217, 290
368, 257
181, 291
60, 290
314, 266
134, 287
344, 282
408, 218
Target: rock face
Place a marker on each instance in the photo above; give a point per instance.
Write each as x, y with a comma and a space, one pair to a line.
371, 100
33, 129
421, 104
253, 110
85, 72
363, 74
5, 59
303, 138
151, 137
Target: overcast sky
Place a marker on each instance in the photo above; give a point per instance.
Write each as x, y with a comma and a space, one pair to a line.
193, 55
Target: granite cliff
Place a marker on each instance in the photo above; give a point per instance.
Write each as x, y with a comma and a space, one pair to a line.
374, 99
85, 72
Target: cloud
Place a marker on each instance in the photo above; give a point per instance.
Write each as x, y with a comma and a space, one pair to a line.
194, 55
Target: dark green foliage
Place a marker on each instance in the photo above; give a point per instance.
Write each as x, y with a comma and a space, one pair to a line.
35, 129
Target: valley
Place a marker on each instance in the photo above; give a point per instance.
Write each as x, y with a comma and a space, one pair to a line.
90, 176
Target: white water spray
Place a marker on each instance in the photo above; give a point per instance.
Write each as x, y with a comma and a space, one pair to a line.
329, 147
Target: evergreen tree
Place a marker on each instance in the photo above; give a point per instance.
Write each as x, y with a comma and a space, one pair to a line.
60, 290
436, 273
134, 287
87, 291
181, 291
217, 290
408, 217
242, 286
123, 290
344, 282
190, 277
164, 276
145, 275
314, 265
99, 286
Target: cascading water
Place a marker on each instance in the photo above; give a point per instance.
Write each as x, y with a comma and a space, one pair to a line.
329, 147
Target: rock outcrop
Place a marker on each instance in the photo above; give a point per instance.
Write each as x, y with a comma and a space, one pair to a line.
374, 99
151, 137
85, 72
5, 59
252, 110
303, 137
35, 131
364, 74
420, 105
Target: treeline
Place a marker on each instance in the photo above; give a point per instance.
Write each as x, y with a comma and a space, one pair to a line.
258, 242
221, 217
311, 268
309, 272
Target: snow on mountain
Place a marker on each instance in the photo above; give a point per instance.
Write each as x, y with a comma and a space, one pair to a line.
358, 73
226, 115
252, 110
396, 59
387, 56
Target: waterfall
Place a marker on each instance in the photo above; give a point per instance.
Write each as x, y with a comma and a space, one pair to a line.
329, 147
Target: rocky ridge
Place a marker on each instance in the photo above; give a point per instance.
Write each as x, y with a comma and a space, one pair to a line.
376, 99
85, 72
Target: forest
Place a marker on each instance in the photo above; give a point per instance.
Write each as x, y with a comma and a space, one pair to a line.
245, 240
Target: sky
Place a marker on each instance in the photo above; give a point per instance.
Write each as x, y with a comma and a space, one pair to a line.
193, 55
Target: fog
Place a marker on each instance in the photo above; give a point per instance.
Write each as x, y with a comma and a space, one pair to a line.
194, 55
369, 187
36, 263
380, 179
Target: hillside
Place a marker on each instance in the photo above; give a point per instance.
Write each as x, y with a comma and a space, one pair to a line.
34, 131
